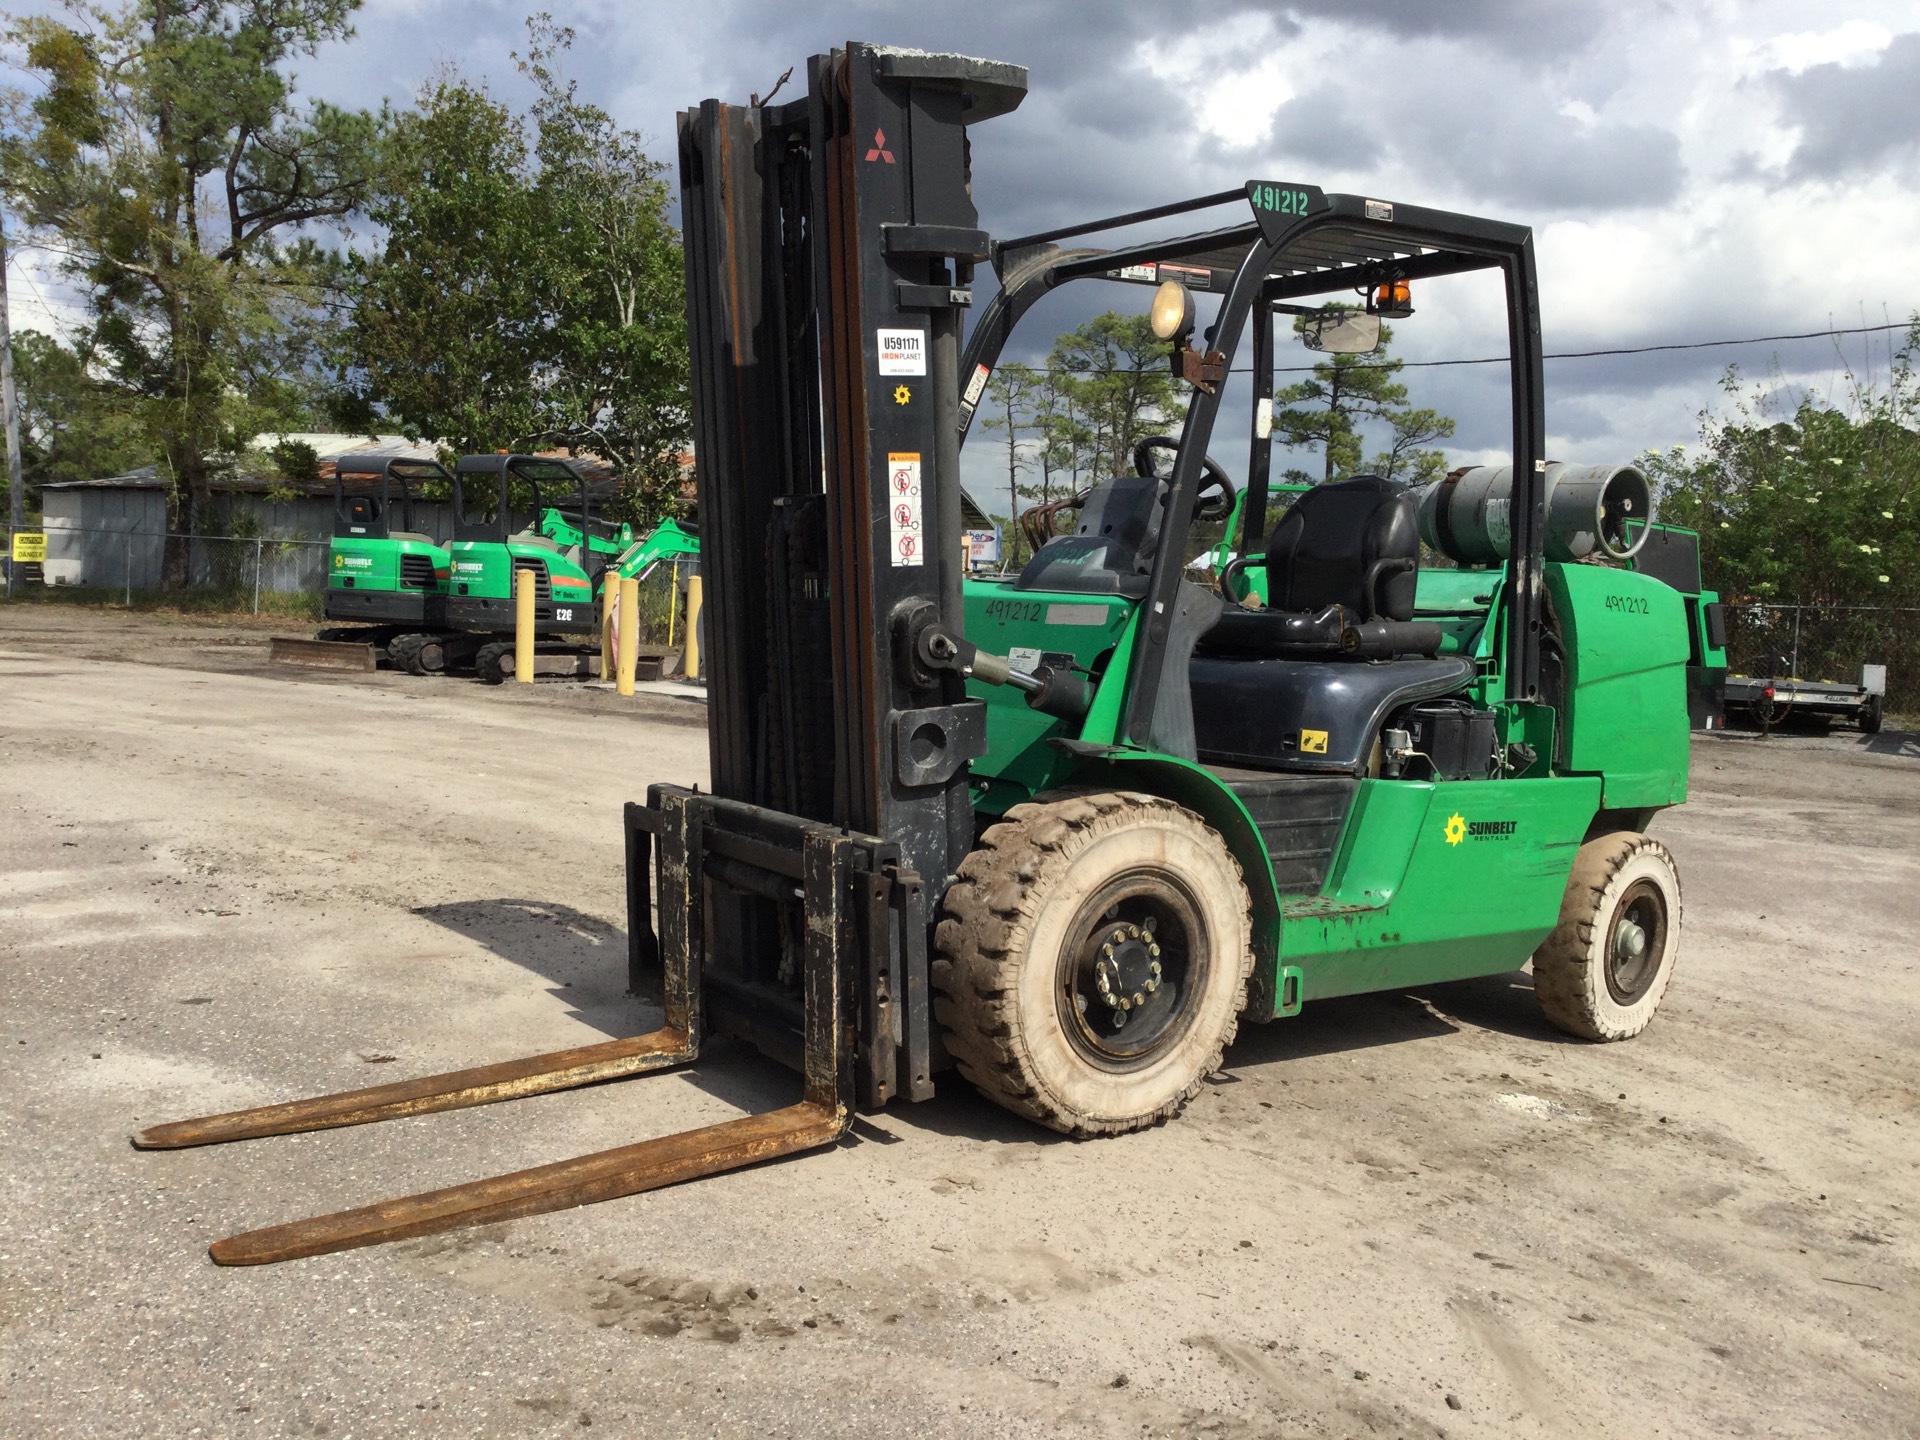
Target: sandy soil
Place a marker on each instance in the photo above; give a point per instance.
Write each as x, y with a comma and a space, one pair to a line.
1412, 1214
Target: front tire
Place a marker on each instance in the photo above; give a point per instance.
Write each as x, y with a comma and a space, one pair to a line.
1093, 961
1603, 971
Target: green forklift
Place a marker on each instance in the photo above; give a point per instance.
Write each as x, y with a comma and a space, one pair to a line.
383, 575
1067, 830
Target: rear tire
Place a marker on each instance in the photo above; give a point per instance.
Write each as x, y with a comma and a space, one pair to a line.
1093, 961
1603, 971
1871, 714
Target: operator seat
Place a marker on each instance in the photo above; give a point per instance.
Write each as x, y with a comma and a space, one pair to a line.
1305, 685
1341, 568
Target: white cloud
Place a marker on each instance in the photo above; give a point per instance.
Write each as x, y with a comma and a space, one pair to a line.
1851, 43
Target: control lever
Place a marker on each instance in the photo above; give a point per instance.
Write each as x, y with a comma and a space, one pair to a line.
1050, 691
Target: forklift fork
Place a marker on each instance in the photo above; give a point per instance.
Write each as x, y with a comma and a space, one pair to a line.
835, 871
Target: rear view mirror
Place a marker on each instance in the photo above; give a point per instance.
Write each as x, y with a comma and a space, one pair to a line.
1341, 332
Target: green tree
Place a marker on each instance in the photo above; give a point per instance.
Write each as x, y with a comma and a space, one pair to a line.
1818, 504
1009, 397
447, 312
1346, 394
614, 376
1116, 388
528, 289
70, 426
163, 159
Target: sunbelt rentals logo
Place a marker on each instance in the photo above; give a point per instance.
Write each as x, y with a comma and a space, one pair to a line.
1460, 828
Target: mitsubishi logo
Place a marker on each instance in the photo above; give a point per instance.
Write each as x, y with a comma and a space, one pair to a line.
879, 150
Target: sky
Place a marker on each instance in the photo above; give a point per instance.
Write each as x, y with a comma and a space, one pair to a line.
1716, 169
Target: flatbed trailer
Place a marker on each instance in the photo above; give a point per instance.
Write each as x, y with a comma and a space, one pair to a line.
1766, 701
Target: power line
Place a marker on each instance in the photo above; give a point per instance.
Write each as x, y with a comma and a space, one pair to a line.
1552, 355
1630, 349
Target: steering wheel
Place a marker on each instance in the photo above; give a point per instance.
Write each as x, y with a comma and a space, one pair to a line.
1217, 496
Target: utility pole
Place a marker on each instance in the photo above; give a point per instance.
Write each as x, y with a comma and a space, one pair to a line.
10, 418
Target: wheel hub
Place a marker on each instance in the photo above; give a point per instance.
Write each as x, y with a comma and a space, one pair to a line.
1629, 941
1634, 953
1128, 968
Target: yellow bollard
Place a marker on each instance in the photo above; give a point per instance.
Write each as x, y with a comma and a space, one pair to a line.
629, 634
673, 600
693, 634
609, 598
523, 626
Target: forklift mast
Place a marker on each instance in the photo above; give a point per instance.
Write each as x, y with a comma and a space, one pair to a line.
830, 246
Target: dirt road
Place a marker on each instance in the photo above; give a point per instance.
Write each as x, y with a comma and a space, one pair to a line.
1408, 1214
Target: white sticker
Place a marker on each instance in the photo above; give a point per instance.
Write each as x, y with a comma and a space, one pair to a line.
1076, 614
903, 508
1379, 210
1137, 272
977, 384
902, 352
1263, 419
1024, 659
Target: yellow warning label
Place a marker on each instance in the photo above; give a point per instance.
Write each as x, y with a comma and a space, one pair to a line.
30, 547
1313, 742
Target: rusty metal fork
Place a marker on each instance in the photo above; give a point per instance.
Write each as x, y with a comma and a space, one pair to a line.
819, 1119
628, 1170
482, 1085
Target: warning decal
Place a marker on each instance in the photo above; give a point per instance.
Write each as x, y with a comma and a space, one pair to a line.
902, 352
975, 386
903, 509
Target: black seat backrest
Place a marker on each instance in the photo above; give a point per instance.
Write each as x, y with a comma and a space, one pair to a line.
363, 510
1111, 549
1328, 548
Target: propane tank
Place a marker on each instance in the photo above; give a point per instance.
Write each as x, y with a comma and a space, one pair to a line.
1466, 515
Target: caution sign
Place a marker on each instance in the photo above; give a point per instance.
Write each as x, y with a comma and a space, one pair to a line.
903, 509
29, 547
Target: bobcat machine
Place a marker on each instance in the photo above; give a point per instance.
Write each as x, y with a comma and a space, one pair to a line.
1066, 831
381, 572
493, 541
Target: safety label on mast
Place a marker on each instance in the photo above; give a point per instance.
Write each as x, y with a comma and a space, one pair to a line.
903, 508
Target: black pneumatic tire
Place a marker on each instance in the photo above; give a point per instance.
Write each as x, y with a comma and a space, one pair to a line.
1871, 714
1020, 993
403, 653
1592, 978
493, 664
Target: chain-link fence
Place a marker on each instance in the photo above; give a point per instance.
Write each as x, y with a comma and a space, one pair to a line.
214, 572
1828, 642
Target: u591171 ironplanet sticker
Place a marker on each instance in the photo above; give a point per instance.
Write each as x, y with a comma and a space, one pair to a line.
902, 352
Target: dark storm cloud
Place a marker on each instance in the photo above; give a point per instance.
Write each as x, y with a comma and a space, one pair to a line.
1853, 118
1326, 126
1559, 163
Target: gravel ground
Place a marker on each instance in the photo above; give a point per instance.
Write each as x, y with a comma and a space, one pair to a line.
1418, 1213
